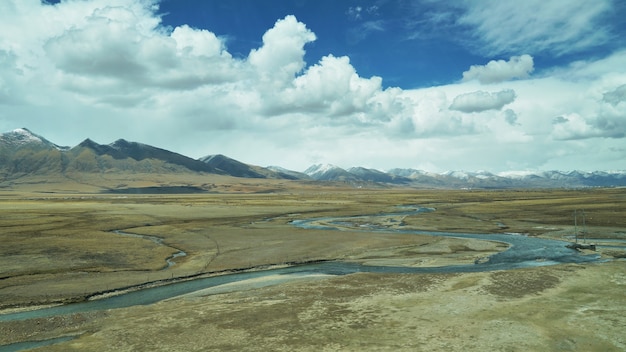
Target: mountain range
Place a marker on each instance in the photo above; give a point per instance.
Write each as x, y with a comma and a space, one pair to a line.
23, 153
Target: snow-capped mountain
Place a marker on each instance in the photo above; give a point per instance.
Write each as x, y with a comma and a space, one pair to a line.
22, 137
373, 175
23, 152
473, 179
320, 169
329, 172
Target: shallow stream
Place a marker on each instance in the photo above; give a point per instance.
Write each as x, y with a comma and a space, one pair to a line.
523, 252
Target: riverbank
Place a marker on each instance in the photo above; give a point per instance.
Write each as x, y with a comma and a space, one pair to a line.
62, 248
538, 309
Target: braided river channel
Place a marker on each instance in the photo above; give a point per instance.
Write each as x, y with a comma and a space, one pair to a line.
523, 252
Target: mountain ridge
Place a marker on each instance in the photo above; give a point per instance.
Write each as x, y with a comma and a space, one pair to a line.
24, 152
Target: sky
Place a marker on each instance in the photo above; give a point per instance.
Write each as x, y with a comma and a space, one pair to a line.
432, 85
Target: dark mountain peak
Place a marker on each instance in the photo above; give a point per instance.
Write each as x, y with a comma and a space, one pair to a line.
119, 142
123, 149
100, 149
139, 151
216, 158
87, 143
124, 144
231, 166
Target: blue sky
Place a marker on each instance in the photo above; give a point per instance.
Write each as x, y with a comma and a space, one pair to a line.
410, 44
376, 35
433, 85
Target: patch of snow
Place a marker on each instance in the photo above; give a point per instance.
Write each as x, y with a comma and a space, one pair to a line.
25, 136
462, 175
517, 174
319, 169
280, 169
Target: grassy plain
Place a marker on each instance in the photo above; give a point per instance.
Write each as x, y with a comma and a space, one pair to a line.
59, 246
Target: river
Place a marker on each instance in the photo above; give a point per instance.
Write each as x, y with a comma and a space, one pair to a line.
523, 252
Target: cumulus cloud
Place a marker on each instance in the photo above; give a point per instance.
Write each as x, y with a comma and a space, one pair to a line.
500, 70
332, 86
481, 101
117, 54
573, 127
605, 118
109, 66
197, 42
536, 25
282, 55
428, 112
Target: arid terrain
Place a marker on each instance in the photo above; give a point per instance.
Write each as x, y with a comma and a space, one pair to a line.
65, 243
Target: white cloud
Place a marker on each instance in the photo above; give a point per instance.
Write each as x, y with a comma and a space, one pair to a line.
282, 55
500, 70
531, 26
197, 42
573, 126
332, 87
107, 69
482, 101
356, 12
117, 54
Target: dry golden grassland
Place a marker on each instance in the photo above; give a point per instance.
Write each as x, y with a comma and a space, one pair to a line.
60, 247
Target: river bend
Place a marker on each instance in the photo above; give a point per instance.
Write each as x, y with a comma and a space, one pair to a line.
523, 252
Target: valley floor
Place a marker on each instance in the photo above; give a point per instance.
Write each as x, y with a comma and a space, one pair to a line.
62, 248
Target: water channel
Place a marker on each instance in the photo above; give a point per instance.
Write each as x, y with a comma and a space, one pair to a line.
523, 252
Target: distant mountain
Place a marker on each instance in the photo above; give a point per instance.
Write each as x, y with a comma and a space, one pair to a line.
355, 175
123, 149
464, 179
329, 172
289, 174
373, 175
236, 168
23, 152
23, 138
525, 179
569, 178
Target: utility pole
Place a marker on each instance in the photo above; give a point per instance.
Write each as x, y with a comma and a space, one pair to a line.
575, 227
584, 231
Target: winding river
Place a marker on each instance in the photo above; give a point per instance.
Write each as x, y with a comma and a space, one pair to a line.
169, 261
523, 252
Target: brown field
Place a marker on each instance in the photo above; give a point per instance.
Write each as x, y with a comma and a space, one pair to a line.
57, 246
